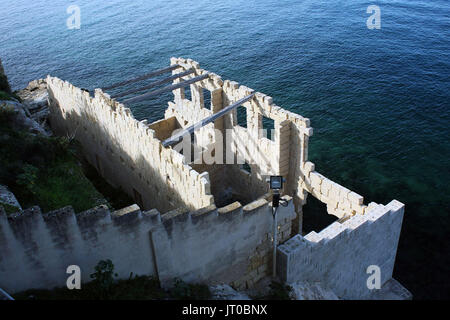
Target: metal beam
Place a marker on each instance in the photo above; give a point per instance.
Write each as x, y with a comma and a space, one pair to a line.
154, 84
145, 76
165, 89
179, 136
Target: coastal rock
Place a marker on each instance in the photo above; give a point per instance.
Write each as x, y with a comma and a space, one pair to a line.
34, 98
4, 84
20, 118
7, 197
225, 292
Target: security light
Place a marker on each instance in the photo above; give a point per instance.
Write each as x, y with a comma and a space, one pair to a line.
276, 182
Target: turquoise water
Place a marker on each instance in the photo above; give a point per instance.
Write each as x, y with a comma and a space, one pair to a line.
378, 99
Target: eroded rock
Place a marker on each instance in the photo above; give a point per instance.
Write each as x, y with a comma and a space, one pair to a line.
19, 118
34, 98
7, 197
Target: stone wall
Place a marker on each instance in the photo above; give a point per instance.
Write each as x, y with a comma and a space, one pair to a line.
126, 152
208, 245
284, 155
339, 255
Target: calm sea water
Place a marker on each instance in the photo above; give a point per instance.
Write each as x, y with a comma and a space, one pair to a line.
377, 99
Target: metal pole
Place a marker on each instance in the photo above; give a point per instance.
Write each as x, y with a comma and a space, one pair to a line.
274, 266
165, 89
154, 84
177, 137
7, 296
144, 77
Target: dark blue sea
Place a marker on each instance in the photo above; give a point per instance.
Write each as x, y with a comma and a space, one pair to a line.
379, 100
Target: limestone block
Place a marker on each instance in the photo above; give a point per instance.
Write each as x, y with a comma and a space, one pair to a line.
316, 180
268, 100
355, 198
326, 186
234, 85
343, 192
308, 131
309, 166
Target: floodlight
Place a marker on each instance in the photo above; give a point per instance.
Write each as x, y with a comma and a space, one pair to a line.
276, 182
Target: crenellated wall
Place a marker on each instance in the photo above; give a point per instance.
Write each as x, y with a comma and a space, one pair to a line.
339, 256
209, 245
125, 151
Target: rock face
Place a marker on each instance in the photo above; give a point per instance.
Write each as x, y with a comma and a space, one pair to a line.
4, 84
225, 292
8, 197
34, 99
20, 118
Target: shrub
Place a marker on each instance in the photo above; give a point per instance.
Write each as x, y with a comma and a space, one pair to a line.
4, 85
104, 277
279, 291
186, 291
27, 179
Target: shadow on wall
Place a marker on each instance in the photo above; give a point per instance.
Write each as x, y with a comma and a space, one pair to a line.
101, 150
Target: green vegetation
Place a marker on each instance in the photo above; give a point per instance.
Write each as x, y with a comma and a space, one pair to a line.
105, 287
43, 170
4, 96
185, 291
279, 291
7, 96
116, 197
9, 209
4, 84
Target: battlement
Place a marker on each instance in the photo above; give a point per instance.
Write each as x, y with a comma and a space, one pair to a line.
340, 255
214, 245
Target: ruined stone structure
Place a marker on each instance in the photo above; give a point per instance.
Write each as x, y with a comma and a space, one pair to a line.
199, 221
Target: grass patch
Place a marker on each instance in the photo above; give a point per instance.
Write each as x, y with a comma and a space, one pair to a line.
104, 286
187, 291
135, 288
43, 171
